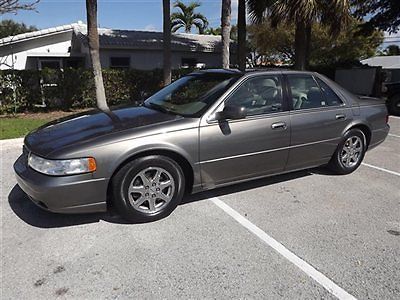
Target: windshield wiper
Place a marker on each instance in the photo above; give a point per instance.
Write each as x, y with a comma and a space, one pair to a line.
160, 108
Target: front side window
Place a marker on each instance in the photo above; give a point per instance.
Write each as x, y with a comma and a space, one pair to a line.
305, 92
259, 95
191, 95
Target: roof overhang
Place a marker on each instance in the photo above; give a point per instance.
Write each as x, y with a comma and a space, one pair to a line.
54, 54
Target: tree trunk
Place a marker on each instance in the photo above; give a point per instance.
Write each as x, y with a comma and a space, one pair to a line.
242, 34
93, 37
167, 41
302, 45
226, 29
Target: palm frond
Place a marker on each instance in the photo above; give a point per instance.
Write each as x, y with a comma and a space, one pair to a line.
176, 27
258, 9
188, 17
200, 26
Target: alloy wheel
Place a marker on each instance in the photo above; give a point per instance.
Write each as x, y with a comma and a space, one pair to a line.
351, 151
151, 190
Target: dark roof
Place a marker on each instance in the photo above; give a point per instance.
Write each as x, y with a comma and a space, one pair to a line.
129, 39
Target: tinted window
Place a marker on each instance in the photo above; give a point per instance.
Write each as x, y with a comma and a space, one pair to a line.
330, 96
259, 95
305, 92
191, 95
120, 62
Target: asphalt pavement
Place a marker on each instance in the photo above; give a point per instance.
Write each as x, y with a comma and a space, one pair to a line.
305, 235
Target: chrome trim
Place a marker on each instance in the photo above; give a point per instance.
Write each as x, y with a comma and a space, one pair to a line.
266, 151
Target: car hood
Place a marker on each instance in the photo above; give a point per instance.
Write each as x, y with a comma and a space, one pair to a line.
89, 125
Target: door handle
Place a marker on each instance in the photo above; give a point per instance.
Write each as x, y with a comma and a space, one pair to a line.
340, 117
279, 125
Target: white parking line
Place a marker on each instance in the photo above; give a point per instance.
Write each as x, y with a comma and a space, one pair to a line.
328, 284
395, 135
381, 169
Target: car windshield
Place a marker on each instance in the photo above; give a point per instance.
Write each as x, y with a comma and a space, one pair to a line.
191, 95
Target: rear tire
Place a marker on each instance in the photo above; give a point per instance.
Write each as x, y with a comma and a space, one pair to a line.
148, 188
349, 153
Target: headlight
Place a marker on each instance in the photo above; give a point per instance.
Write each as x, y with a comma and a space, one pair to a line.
62, 167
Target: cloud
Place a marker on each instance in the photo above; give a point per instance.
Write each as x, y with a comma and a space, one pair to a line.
150, 27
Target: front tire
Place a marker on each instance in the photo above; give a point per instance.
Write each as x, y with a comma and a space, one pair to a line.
148, 188
349, 153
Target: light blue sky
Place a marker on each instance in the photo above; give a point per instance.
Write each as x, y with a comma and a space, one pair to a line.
117, 14
122, 14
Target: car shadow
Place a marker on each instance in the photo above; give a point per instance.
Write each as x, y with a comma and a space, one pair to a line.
31, 214
245, 186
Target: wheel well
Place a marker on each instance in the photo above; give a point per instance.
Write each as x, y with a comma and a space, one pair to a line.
365, 129
179, 159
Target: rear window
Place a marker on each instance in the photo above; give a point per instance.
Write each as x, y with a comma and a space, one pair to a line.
330, 96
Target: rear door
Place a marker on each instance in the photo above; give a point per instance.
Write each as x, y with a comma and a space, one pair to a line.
234, 150
318, 118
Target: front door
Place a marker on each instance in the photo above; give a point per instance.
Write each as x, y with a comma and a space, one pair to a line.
234, 150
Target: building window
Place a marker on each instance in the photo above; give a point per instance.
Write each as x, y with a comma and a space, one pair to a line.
120, 62
74, 63
189, 62
50, 64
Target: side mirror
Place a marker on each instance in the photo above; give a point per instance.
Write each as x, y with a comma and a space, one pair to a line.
231, 112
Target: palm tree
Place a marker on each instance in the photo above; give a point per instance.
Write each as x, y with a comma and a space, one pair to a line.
93, 38
303, 13
241, 30
167, 42
225, 28
187, 18
213, 31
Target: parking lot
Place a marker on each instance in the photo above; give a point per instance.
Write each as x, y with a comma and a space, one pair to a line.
306, 235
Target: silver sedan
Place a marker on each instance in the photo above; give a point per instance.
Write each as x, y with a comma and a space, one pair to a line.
206, 130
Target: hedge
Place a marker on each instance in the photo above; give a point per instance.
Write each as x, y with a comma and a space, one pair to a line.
26, 90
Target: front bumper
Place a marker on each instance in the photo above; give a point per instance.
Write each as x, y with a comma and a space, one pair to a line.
64, 194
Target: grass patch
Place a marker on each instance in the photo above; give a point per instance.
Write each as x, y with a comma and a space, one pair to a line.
18, 127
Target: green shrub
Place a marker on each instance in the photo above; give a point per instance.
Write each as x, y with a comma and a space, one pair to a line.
26, 90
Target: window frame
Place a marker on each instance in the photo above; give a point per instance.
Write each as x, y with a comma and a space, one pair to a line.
290, 97
127, 67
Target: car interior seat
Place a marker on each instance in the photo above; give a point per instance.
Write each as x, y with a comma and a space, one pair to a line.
314, 98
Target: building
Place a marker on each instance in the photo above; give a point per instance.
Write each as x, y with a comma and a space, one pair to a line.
386, 62
66, 46
390, 64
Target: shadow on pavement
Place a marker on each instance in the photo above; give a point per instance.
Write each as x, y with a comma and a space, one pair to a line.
31, 214
248, 185
27, 211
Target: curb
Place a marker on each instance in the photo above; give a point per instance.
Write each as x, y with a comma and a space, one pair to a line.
11, 142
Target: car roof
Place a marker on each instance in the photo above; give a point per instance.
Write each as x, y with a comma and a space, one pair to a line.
249, 71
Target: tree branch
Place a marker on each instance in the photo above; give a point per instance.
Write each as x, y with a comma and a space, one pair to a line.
12, 6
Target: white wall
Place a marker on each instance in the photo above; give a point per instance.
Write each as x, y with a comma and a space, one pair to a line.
61, 42
53, 44
153, 59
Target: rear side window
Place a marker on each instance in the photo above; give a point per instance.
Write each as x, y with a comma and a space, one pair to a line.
330, 96
305, 92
